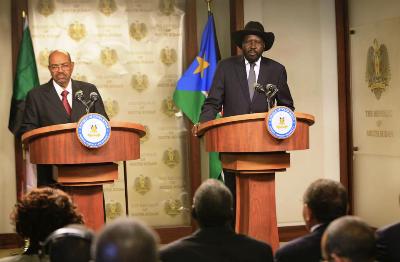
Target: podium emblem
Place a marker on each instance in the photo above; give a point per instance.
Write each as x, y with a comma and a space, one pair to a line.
281, 122
93, 130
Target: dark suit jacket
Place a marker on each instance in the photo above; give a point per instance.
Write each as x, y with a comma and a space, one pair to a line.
216, 245
388, 243
230, 89
302, 249
43, 106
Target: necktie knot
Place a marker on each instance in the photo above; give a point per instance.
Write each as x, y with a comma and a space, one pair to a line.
64, 93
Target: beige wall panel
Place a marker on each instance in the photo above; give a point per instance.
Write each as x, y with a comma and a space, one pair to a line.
305, 42
132, 51
376, 131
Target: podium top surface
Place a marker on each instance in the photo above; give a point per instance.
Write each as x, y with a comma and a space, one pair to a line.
28, 136
307, 118
59, 144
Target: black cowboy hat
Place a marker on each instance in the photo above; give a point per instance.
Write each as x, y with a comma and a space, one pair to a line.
254, 28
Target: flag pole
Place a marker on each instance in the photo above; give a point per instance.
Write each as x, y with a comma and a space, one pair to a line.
208, 5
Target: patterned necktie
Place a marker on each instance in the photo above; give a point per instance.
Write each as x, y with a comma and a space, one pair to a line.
251, 80
65, 102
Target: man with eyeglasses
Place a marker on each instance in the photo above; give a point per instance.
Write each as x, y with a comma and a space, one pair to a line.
233, 87
53, 102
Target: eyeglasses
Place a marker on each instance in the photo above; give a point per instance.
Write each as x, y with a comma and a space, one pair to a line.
63, 67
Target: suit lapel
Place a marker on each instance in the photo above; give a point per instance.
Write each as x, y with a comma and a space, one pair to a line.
240, 68
55, 101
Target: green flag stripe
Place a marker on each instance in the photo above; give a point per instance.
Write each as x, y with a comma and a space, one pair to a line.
190, 103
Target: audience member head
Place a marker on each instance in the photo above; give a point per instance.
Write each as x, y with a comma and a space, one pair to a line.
324, 201
212, 204
71, 243
126, 239
42, 211
348, 239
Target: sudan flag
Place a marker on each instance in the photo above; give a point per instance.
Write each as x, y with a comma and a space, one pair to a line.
26, 78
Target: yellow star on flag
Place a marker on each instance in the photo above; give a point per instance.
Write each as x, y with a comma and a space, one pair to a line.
203, 64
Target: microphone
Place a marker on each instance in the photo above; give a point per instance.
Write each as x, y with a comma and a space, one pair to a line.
93, 98
269, 90
80, 97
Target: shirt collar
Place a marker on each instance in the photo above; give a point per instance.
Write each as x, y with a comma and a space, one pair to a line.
59, 89
314, 227
246, 62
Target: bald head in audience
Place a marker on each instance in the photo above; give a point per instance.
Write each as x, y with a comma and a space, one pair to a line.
126, 239
348, 239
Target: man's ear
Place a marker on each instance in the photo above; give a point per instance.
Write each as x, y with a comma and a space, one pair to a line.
194, 214
307, 213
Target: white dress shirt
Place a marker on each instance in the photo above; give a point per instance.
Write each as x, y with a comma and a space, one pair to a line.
59, 90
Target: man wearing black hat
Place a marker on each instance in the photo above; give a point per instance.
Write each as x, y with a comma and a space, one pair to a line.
235, 77
234, 80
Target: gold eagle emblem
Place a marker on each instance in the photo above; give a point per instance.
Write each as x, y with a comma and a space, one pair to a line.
168, 56
138, 31
173, 207
166, 7
146, 137
378, 69
44, 57
77, 31
142, 184
168, 107
45, 7
171, 157
140, 82
108, 56
112, 107
107, 7
113, 210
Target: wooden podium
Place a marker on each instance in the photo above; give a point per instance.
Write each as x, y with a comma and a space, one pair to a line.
247, 149
80, 170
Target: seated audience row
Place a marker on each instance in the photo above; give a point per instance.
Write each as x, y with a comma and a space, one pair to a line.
49, 220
